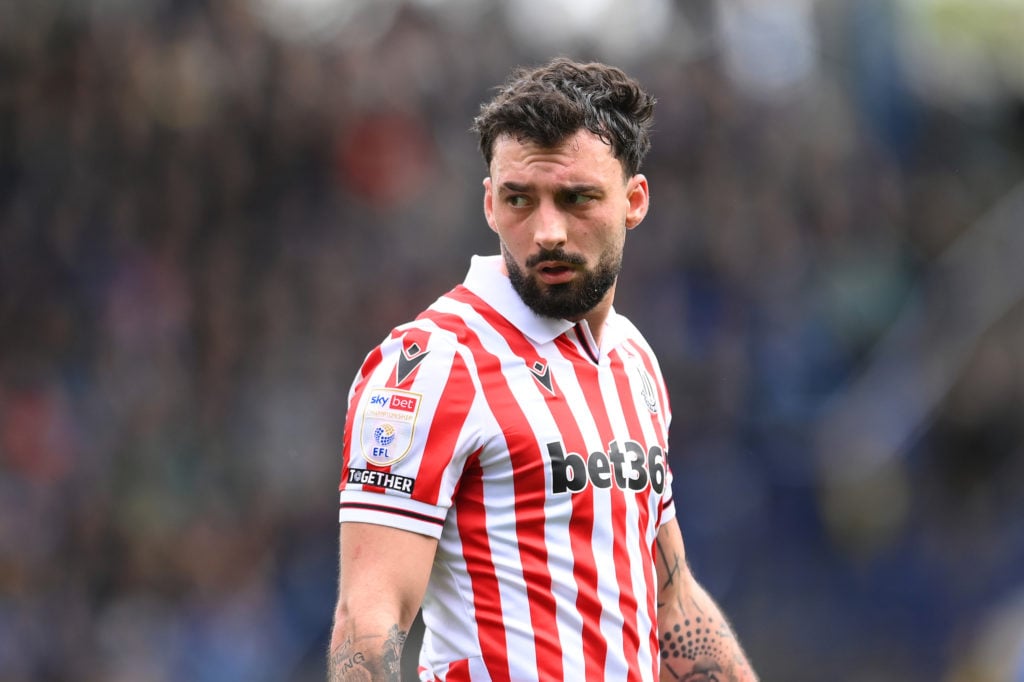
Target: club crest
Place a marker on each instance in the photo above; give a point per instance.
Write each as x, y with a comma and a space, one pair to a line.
647, 391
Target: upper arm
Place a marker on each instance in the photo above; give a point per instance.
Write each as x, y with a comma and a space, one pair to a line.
383, 572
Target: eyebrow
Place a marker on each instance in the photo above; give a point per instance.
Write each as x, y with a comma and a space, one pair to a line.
515, 187
510, 186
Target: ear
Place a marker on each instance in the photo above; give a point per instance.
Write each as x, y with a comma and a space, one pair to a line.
639, 198
489, 204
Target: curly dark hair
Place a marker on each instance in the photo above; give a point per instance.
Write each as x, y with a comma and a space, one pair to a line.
547, 104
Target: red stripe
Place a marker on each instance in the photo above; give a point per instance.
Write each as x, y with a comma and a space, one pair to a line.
458, 671
370, 363
595, 648
633, 422
588, 376
471, 520
453, 405
529, 490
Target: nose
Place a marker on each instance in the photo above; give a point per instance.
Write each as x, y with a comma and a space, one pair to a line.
550, 226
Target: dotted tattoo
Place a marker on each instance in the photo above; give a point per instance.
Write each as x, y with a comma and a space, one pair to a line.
694, 642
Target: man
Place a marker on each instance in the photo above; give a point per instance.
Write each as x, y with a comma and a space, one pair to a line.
505, 454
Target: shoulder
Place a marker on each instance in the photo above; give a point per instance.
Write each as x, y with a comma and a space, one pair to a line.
436, 343
440, 325
449, 336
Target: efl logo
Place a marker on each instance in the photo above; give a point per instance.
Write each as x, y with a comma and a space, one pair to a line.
387, 425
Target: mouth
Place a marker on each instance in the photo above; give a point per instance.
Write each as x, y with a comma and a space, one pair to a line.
552, 272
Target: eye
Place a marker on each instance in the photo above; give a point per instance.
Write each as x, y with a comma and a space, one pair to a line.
517, 201
578, 198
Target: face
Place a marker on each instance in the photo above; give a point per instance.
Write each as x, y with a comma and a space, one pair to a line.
561, 215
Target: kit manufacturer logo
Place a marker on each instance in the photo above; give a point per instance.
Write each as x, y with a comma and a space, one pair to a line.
409, 359
542, 373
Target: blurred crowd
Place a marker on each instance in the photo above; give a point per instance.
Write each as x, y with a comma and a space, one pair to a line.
205, 224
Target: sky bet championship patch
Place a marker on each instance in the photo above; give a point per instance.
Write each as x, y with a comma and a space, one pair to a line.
388, 422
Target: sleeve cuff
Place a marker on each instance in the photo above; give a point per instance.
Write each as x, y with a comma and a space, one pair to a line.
395, 512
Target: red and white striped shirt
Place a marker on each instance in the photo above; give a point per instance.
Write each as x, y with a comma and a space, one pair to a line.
539, 462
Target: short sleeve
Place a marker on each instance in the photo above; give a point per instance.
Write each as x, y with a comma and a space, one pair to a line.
406, 442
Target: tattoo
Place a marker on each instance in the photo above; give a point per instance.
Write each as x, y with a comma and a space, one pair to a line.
346, 664
392, 656
350, 664
671, 566
706, 644
701, 647
694, 638
698, 646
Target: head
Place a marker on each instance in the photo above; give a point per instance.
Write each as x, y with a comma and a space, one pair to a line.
564, 143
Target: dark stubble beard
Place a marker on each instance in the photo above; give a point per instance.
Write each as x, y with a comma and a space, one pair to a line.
568, 301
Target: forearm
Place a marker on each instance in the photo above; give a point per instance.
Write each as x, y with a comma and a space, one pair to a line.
695, 639
697, 644
382, 577
371, 654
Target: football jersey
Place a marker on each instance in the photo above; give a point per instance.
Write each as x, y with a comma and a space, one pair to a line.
539, 462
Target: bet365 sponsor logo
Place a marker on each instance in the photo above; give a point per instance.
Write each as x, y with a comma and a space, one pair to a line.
627, 466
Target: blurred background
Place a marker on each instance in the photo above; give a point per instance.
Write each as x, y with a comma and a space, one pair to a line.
211, 211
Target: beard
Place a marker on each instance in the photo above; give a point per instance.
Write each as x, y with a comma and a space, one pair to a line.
568, 301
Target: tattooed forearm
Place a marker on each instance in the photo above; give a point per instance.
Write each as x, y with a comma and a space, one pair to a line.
695, 641
700, 647
368, 660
